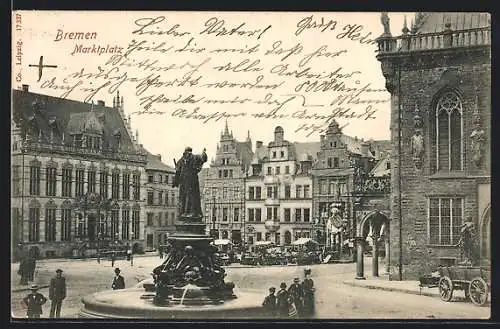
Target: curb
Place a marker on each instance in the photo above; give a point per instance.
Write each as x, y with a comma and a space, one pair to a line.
406, 291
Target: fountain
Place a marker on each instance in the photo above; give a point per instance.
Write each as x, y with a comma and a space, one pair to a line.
189, 284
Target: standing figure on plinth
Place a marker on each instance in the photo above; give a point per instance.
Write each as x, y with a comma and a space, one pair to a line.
186, 178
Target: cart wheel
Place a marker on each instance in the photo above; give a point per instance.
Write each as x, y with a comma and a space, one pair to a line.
445, 288
478, 291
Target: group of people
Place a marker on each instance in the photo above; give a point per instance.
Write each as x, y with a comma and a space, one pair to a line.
295, 302
57, 293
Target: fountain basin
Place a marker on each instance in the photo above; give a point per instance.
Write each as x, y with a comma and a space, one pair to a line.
134, 303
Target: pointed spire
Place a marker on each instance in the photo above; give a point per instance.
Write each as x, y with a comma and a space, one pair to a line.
137, 135
405, 27
226, 129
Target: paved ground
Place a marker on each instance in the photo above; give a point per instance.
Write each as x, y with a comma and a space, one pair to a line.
336, 297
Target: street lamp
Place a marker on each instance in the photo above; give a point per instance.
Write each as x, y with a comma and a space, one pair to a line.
99, 238
214, 217
130, 250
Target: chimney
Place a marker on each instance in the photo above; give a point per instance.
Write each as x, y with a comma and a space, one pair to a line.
158, 156
365, 148
101, 103
26, 88
258, 144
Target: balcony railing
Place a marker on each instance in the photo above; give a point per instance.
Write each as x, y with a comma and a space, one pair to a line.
32, 145
373, 185
437, 40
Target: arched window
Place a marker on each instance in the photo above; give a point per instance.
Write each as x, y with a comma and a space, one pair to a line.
448, 137
66, 221
34, 221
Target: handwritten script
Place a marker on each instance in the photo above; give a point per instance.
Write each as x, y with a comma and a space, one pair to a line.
216, 69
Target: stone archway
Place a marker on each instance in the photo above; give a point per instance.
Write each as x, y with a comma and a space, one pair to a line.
485, 233
373, 229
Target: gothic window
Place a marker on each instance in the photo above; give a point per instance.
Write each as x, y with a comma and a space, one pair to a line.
67, 174
34, 222
126, 186
35, 178
115, 185
79, 182
103, 184
66, 221
16, 180
137, 186
50, 222
91, 178
114, 221
50, 181
125, 224
136, 222
448, 139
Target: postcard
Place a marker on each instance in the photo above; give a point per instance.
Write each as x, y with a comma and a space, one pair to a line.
250, 165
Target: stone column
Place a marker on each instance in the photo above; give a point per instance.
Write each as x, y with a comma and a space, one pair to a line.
387, 255
375, 256
360, 275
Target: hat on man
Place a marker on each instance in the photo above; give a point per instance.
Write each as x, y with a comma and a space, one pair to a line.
59, 270
34, 287
296, 280
117, 270
272, 289
307, 270
283, 285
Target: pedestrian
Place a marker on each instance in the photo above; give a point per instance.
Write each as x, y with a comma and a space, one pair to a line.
160, 251
57, 292
34, 301
296, 295
308, 289
113, 256
269, 303
118, 281
23, 271
282, 301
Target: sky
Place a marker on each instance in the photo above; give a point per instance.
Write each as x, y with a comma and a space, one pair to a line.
269, 44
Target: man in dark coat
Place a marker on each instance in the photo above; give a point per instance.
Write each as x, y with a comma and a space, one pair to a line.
296, 295
118, 281
269, 303
308, 288
34, 301
23, 271
282, 301
57, 292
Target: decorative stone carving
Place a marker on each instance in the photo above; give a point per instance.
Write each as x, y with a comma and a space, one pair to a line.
417, 140
384, 19
477, 137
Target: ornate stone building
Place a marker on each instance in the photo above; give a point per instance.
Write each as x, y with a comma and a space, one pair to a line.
279, 191
76, 180
161, 202
223, 186
345, 187
439, 76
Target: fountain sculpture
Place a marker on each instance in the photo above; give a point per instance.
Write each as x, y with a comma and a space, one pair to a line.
190, 282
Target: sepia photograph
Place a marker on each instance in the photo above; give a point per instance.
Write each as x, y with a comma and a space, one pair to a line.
204, 165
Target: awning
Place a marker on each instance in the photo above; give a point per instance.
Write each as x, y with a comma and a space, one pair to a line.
263, 243
222, 242
303, 241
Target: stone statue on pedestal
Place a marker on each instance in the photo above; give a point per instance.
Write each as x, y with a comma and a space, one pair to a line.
186, 178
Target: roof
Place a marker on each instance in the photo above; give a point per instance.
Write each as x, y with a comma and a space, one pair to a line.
309, 149
154, 162
380, 169
61, 117
435, 22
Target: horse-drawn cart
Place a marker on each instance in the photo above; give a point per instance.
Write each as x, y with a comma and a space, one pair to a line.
474, 280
